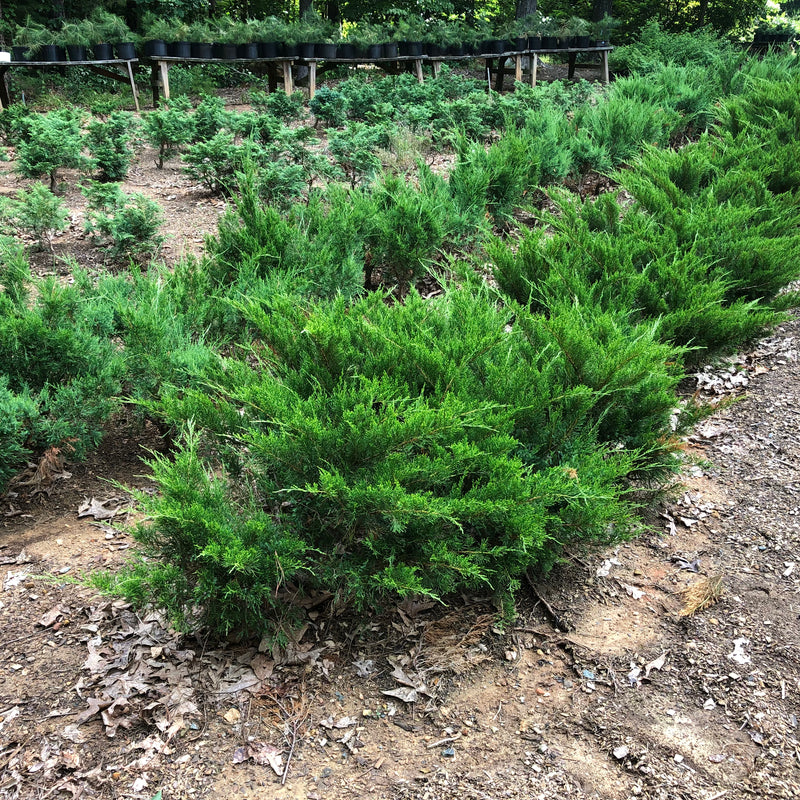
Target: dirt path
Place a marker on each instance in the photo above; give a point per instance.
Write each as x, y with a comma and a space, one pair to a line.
601, 690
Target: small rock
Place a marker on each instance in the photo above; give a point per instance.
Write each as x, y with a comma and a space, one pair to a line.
621, 752
232, 716
449, 752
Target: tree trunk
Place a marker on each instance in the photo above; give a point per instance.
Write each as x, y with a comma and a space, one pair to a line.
600, 8
525, 8
333, 12
305, 5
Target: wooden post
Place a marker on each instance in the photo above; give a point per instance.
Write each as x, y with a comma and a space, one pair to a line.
437, 67
517, 67
418, 70
288, 84
501, 71
133, 84
163, 71
312, 79
604, 64
5, 100
571, 67
272, 77
534, 68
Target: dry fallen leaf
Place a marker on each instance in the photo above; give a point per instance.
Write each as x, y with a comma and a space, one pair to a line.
657, 663
405, 693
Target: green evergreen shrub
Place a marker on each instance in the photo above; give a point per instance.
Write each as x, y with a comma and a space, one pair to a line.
354, 149
214, 163
36, 212
110, 145
18, 413
375, 452
404, 229
279, 104
210, 118
49, 142
656, 47
493, 180
169, 128
61, 372
128, 222
329, 106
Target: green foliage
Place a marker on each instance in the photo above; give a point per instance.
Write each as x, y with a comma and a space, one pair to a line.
12, 122
168, 129
707, 248
656, 47
354, 149
47, 143
457, 454
493, 181
36, 212
329, 106
61, 373
214, 163
404, 229
17, 415
129, 222
210, 118
279, 104
110, 144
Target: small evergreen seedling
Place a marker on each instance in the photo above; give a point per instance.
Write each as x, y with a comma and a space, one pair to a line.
129, 221
110, 145
50, 142
37, 212
168, 129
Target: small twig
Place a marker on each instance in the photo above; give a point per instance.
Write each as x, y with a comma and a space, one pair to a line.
499, 710
291, 753
446, 740
555, 618
27, 636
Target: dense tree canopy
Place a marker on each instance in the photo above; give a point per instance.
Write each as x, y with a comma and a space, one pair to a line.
725, 15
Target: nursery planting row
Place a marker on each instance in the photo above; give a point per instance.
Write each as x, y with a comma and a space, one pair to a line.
335, 430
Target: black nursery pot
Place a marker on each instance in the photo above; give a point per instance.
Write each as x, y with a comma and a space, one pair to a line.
345, 51
325, 50
436, 50
291, 50
375, 51
307, 50
19, 53
390, 49
49, 52
581, 41
228, 51
267, 49
179, 49
520, 43
201, 50
126, 51
549, 42
76, 52
102, 52
455, 49
248, 51
153, 48
534, 42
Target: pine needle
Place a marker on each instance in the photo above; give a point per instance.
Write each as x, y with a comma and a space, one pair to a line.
702, 594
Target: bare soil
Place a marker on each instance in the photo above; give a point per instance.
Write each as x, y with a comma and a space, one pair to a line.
605, 686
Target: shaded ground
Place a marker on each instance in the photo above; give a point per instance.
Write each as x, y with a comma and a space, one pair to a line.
601, 689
